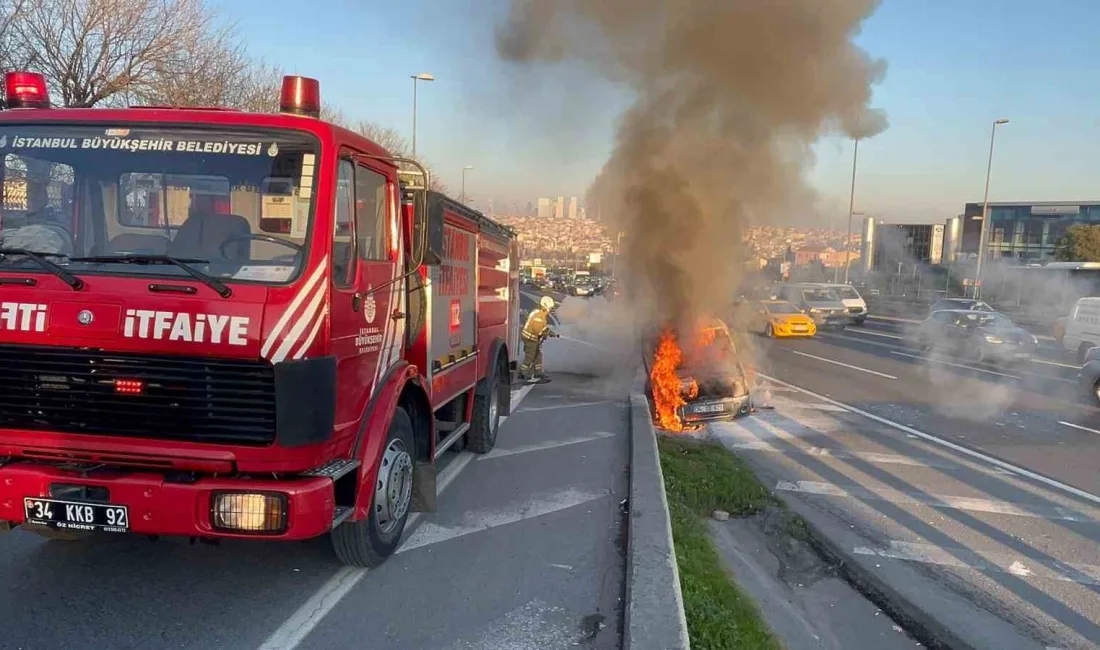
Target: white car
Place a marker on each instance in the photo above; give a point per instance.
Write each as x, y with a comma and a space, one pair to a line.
856, 305
1082, 328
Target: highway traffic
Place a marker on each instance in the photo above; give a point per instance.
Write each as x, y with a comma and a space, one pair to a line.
971, 485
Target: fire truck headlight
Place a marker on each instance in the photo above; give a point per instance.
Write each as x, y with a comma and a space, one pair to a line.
246, 512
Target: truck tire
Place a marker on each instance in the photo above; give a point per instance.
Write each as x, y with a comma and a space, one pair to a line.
368, 542
487, 408
1083, 350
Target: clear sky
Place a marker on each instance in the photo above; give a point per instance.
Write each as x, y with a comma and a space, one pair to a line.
952, 68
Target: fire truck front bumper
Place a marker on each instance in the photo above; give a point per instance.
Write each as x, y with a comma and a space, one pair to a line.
151, 503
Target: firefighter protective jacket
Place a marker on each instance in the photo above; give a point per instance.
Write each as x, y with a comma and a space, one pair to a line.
537, 326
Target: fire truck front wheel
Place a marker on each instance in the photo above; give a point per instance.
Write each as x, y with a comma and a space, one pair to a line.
368, 542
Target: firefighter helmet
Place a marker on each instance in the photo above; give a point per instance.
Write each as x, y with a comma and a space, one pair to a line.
546, 303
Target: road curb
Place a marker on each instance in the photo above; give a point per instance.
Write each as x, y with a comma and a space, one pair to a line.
654, 618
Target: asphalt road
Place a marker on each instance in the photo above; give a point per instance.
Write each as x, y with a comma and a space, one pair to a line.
982, 479
525, 551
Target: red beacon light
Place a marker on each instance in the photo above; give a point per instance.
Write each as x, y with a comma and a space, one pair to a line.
25, 90
300, 96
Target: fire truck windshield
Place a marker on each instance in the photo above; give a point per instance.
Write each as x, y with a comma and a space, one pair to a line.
236, 204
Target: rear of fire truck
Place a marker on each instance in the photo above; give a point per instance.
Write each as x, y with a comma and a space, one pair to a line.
205, 326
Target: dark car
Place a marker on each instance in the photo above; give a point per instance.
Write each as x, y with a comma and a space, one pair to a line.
978, 335
1089, 377
960, 303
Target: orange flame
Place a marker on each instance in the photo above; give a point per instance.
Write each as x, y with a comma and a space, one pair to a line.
665, 383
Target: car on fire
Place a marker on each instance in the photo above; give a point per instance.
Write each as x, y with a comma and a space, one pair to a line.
698, 378
979, 335
779, 319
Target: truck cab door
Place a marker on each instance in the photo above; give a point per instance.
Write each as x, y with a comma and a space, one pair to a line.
364, 336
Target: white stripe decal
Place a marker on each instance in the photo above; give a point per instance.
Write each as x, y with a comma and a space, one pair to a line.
294, 304
312, 333
299, 326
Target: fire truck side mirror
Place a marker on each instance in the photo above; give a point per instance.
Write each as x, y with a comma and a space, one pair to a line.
431, 227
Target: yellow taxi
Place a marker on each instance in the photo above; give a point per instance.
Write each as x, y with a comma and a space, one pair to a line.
779, 318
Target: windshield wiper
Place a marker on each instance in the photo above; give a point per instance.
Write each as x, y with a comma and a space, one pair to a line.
182, 262
39, 258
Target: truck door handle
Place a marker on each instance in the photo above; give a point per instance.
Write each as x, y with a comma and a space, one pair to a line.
356, 301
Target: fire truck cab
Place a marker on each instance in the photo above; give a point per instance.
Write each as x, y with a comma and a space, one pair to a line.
218, 324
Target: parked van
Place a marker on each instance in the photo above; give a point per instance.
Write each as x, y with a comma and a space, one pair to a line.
1083, 328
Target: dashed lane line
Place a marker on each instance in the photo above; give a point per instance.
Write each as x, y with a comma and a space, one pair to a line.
1020, 471
956, 365
1078, 426
297, 627
846, 365
963, 558
550, 444
898, 497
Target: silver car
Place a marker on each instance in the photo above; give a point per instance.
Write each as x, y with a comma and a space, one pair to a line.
817, 301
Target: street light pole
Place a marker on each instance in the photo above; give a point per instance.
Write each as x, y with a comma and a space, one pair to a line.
984, 234
464, 170
423, 76
851, 207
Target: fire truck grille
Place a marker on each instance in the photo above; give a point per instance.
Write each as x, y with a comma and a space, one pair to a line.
73, 390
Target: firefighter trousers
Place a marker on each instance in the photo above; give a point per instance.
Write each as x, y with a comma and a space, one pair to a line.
532, 359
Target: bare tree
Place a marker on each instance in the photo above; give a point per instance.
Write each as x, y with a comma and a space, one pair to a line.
94, 50
10, 57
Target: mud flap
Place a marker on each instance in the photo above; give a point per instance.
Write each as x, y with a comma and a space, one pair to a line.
5, 526
424, 487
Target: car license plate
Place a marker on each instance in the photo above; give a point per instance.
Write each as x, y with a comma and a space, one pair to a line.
798, 328
708, 408
74, 515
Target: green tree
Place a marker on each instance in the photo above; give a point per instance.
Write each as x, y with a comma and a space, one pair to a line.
1081, 243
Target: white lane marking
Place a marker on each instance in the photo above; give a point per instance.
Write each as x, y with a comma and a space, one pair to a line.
897, 497
562, 566
517, 397
957, 365
1020, 566
1049, 482
475, 522
550, 444
870, 372
564, 406
297, 627
893, 319
1055, 363
1078, 426
865, 331
782, 402
841, 454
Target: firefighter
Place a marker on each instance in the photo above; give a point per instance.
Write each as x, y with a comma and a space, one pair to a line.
535, 331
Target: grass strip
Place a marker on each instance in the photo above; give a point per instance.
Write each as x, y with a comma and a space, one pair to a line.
700, 478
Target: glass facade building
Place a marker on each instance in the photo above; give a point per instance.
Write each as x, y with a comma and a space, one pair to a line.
1027, 232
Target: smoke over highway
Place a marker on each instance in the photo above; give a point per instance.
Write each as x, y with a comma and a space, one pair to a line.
730, 96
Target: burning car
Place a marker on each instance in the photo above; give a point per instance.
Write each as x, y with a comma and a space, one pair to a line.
696, 377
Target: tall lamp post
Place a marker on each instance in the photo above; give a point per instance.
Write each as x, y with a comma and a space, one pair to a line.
984, 236
464, 170
423, 76
851, 207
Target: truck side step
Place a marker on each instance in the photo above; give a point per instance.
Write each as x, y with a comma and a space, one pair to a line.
446, 443
333, 469
340, 514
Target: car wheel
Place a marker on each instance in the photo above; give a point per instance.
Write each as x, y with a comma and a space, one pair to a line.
1096, 392
860, 321
768, 331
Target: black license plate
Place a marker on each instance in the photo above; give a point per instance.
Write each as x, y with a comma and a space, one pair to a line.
75, 515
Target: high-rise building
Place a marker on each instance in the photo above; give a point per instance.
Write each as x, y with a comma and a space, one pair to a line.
546, 210
559, 208
530, 210
572, 207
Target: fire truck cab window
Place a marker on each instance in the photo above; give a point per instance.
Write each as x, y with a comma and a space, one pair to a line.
343, 236
370, 213
239, 203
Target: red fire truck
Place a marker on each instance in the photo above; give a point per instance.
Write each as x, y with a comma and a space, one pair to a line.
218, 324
